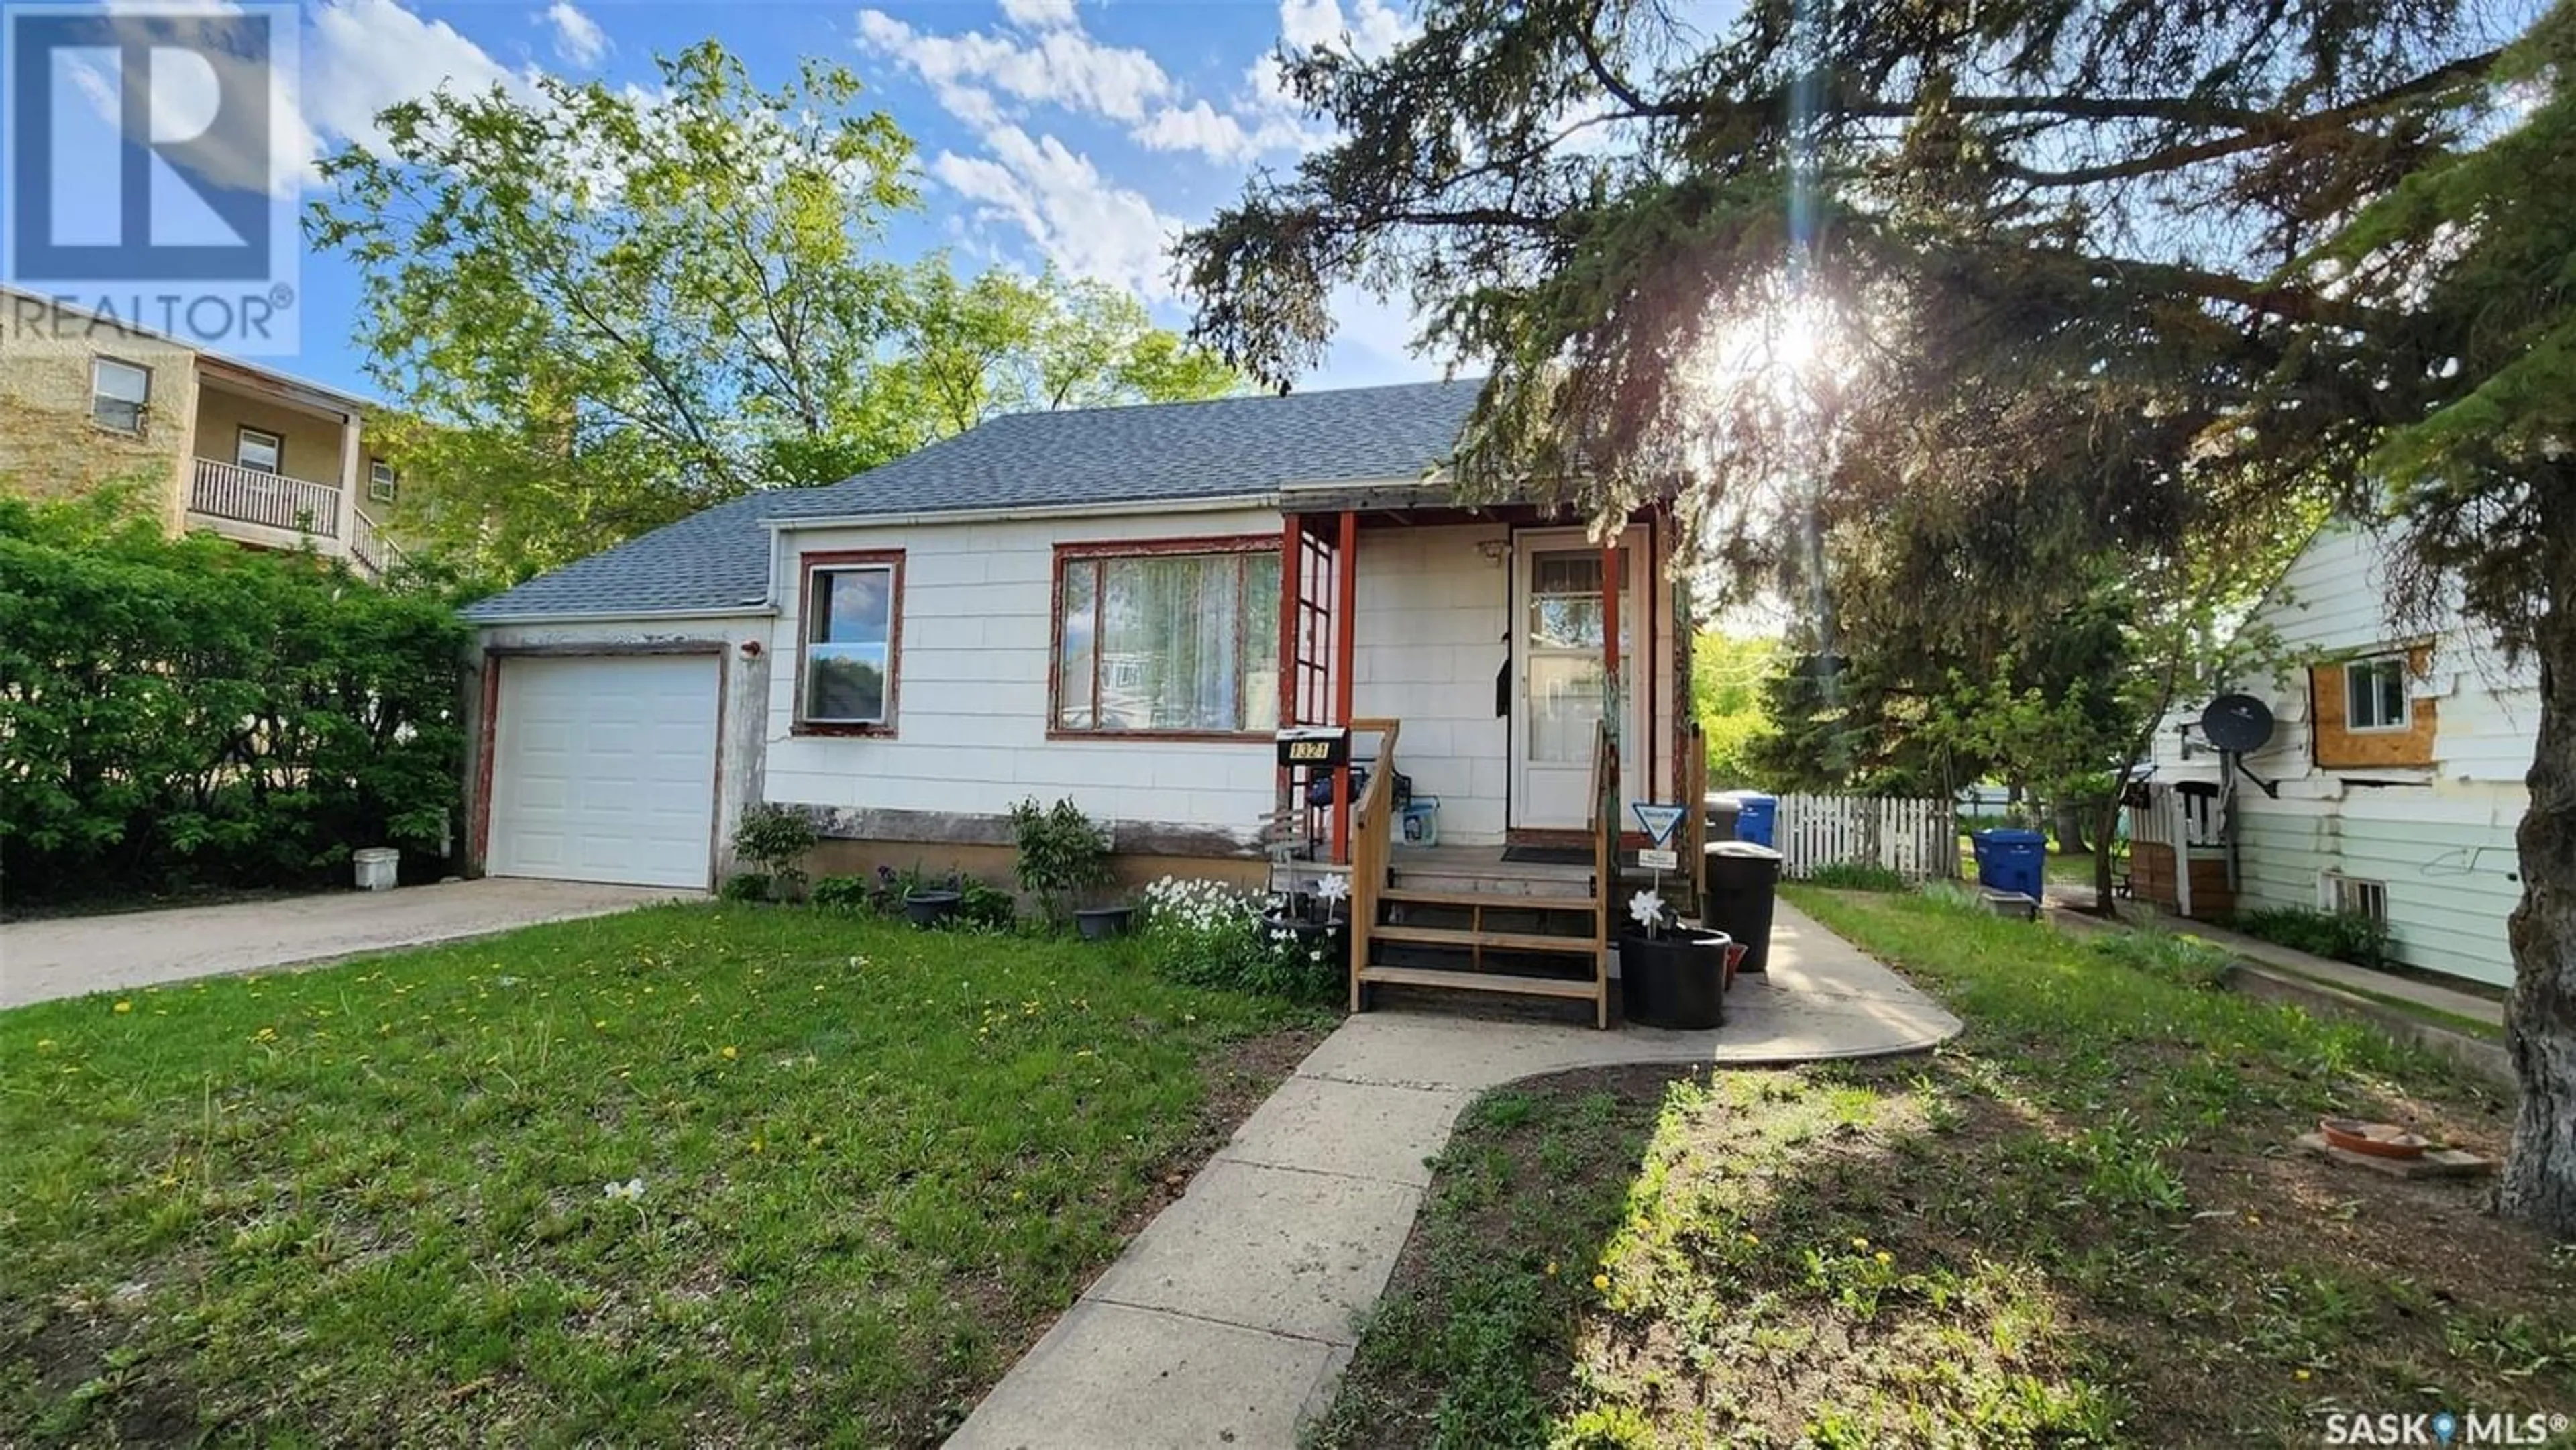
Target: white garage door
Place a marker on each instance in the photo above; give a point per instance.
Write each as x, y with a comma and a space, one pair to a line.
604, 769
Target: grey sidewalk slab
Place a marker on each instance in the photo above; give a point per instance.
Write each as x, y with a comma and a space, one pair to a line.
1328, 1126
67, 956
1085, 1383
1276, 1249
1228, 1320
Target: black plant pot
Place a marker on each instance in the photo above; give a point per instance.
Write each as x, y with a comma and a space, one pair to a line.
931, 908
1676, 978
1100, 923
1333, 936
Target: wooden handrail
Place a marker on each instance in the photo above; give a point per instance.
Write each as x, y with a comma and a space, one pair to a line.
1695, 825
1605, 860
1372, 845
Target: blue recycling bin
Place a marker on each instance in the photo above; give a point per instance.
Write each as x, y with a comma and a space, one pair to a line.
2010, 860
1755, 815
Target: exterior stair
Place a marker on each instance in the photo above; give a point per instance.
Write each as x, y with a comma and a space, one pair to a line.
1463, 918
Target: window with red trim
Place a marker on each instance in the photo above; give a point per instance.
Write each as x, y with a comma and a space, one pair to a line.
1175, 639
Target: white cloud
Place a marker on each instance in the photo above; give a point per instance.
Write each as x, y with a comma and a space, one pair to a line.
1080, 220
1038, 14
1062, 66
365, 55
578, 38
1371, 28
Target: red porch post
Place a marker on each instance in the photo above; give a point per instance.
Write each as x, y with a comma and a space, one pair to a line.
1292, 564
1346, 596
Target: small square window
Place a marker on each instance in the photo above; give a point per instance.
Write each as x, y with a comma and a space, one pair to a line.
259, 451
380, 480
2368, 899
2375, 694
118, 393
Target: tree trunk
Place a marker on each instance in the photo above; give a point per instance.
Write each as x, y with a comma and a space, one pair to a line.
2539, 1182
2070, 828
2106, 833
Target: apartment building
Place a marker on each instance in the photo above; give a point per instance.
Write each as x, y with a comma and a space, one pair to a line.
241, 450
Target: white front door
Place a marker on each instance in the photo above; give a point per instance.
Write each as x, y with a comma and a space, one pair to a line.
1557, 697
604, 768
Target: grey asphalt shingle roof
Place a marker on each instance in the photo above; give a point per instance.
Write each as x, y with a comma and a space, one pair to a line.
1152, 453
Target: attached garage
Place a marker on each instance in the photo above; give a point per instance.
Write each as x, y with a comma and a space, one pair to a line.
603, 767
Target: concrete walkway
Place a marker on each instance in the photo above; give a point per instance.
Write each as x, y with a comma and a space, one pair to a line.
42, 960
1230, 1318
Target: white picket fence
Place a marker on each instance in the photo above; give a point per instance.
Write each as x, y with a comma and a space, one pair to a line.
1917, 839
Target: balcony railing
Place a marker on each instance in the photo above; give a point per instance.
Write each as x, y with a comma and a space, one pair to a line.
227, 491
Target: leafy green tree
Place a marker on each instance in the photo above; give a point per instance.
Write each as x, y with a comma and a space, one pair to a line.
599, 309
1727, 676
611, 307
1007, 343
2020, 286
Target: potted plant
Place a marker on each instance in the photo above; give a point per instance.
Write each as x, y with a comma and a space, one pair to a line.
1317, 917
1064, 860
1672, 975
776, 838
925, 905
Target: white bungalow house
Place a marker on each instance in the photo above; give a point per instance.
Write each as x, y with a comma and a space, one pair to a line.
1122, 606
2392, 783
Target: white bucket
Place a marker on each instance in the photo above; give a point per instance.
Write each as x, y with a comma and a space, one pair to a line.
376, 867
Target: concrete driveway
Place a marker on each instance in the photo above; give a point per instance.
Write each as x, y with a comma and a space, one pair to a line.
42, 960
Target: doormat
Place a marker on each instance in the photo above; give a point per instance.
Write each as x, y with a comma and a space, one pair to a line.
1548, 855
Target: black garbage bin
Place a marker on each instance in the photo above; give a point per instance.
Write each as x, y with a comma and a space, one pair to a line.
1742, 878
1719, 809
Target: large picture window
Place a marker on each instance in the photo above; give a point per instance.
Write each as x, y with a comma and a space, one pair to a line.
1168, 639
852, 628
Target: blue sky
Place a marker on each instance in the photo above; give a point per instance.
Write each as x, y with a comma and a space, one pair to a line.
1082, 134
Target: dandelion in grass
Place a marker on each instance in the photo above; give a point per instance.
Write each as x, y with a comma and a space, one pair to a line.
728, 1051
630, 1191
1860, 1243
1601, 1282
124, 1006
1884, 1257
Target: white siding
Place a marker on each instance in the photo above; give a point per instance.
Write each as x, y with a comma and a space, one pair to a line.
971, 688
2446, 855
1432, 612
2442, 839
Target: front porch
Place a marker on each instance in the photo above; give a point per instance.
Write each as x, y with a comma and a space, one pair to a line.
1521, 683
277, 466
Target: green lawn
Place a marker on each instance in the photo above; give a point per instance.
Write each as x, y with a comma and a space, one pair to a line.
369, 1204
2075, 1225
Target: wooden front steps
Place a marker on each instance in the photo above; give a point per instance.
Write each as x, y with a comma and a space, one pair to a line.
1463, 918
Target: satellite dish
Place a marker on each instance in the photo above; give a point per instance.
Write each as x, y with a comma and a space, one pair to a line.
2237, 723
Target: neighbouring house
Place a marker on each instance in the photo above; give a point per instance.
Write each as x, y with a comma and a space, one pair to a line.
245, 451
2391, 785
1121, 606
